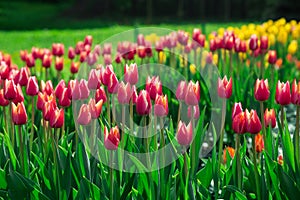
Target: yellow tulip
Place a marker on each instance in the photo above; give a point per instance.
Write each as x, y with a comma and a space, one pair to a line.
161, 57
215, 59
193, 68
272, 39
293, 46
282, 36
152, 38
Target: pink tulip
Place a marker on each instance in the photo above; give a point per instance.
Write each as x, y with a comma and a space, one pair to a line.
192, 96
131, 74
261, 90
253, 122
93, 80
195, 110
224, 87
124, 93
161, 107
111, 139
283, 93
143, 104
84, 116
181, 90
184, 133
154, 87
95, 108
295, 97
237, 109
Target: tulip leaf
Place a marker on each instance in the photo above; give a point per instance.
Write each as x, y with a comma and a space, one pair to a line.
288, 185
12, 154
3, 183
205, 174
237, 193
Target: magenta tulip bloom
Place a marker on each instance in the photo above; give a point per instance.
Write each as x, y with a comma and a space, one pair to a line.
131, 74
161, 108
84, 116
261, 90
143, 103
224, 87
192, 96
32, 88
184, 133
283, 93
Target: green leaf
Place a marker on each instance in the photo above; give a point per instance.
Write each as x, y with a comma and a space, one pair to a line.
3, 183
12, 154
237, 193
205, 175
288, 185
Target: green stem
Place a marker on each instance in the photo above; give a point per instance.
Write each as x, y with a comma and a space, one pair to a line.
185, 163
12, 127
32, 123
263, 123
297, 136
238, 162
55, 160
111, 176
230, 62
221, 142
113, 108
5, 119
179, 111
108, 108
282, 117
162, 140
193, 147
262, 65
21, 149
255, 168
155, 135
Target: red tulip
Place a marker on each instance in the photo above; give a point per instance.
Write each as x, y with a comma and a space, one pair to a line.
154, 87
225, 87
280, 159
57, 118
261, 90
84, 116
84, 90
74, 67
88, 40
19, 115
3, 101
124, 93
58, 49
71, 53
64, 99
91, 58
272, 57
196, 33
212, 45
46, 62
93, 80
95, 108
7, 59
201, 40
192, 96
195, 110
283, 94
181, 90
35, 52
30, 61
10, 90
24, 74
112, 84
59, 63
134, 95
141, 51
23, 55
59, 88
143, 103
32, 88
83, 56
106, 48
239, 123
111, 139
42, 98
259, 143
73, 89
20, 97
118, 58
47, 87
105, 74
253, 42
228, 42
253, 122
269, 118
131, 74
79, 47
48, 108
264, 43
295, 98
100, 95
140, 39
184, 133
161, 107
4, 70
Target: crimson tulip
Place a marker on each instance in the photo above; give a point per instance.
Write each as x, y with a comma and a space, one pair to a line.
253, 42
239, 123
74, 67
59, 88
225, 87
153, 86
48, 108
143, 103
272, 57
46, 62
59, 63
30, 61
42, 98
261, 90
57, 118
71, 53
295, 97
4, 71
264, 43
134, 95
269, 118
19, 115
64, 99
32, 88
100, 95
283, 93
253, 122
10, 90
3, 101
95, 108
19, 97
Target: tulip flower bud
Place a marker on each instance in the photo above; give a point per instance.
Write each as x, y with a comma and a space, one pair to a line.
229, 42
84, 116
264, 43
42, 98
141, 52
59, 88
201, 40
283, 93
192, 96
23, 55
272, 57
131, 74
19, 115
134, 95
20, 97
253, 122
46, 62
118, 58
269, 118
79, 47
113, 82
231, 152
30, 61
253, 42
100, 95
57, 118
4, 70
259, 143
23, 77
225, 87
196, 33
84, 90
107, 59
71, 53
111, 139
261, 90
59, 63
161, 108
64, 99
107, 47
32, 88
143, 103
82, 56
124, 93
280, 159
35, 52
95, 108
295, 98
195, 111
105, 74
10, 90
88, 40
47, 87
239, 123
212, 45
154, 87
3, 101
140, 40
93, 80
74, 67
48, 108
184, 133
